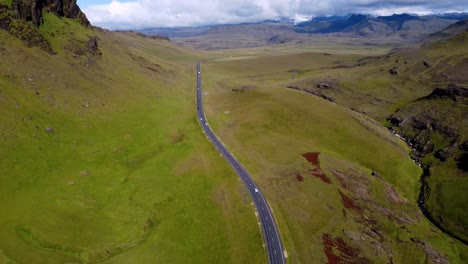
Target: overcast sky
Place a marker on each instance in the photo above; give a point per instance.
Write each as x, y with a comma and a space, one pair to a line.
135, 14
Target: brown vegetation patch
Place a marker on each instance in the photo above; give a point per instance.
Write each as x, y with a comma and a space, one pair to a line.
119, 149
337, 251
430, 251
317, 172
401, 218
312, 157
299, 177
295, 71
244, 88
457, 73
347, 202
355, 183
393, 196
316, 89
284, 187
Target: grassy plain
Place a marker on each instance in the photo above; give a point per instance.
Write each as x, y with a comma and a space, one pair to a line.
102, 160
268, 127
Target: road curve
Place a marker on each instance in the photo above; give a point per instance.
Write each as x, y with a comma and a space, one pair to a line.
270, 230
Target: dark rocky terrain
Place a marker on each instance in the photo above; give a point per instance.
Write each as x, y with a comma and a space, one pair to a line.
23, 18
31, 10
427, 87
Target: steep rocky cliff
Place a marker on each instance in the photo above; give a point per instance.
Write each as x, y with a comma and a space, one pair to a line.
22, 29
31, 10
27, 20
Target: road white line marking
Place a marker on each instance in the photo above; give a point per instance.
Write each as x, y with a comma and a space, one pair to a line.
268, 220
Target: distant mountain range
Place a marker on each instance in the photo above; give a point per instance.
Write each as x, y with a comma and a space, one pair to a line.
452, 30
366, 25
358, 23
397, 28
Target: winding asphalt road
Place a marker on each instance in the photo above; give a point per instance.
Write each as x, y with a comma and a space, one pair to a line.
269, 228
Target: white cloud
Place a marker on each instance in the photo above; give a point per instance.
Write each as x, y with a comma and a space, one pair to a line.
168, 13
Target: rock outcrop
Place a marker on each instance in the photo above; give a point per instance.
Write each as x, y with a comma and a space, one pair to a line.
277, 39
23, 18
31, 10
23, 30
424, 120
454, 92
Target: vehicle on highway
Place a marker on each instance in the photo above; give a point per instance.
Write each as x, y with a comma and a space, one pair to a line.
270, 231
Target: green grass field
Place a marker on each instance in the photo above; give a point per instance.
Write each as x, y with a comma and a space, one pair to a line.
126, 175
269, 127
358, 78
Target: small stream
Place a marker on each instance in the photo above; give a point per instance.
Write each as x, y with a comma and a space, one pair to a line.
425, 190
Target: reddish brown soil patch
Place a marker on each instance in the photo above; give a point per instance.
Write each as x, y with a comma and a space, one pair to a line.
317, 172
328, 245
347, 202
312, 157
299, 177
337, 251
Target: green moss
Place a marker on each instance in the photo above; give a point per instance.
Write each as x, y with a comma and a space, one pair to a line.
6, 2
268, 127
447, 200
126, 176
65, 35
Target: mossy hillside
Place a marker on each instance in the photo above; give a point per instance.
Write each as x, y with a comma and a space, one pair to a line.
441, 64
64, 35
6, 2
366, 85
269, 127
23, 30
103, 161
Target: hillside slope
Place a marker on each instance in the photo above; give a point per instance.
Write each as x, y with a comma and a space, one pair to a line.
342, 187
402, 26
420, 94
449, 32
101, 157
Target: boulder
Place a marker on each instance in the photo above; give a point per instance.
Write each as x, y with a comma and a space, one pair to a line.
443, 154
464, 146
323, 85
395, 120
427, 64
93, 46
428, 148
453, 91
393, 71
